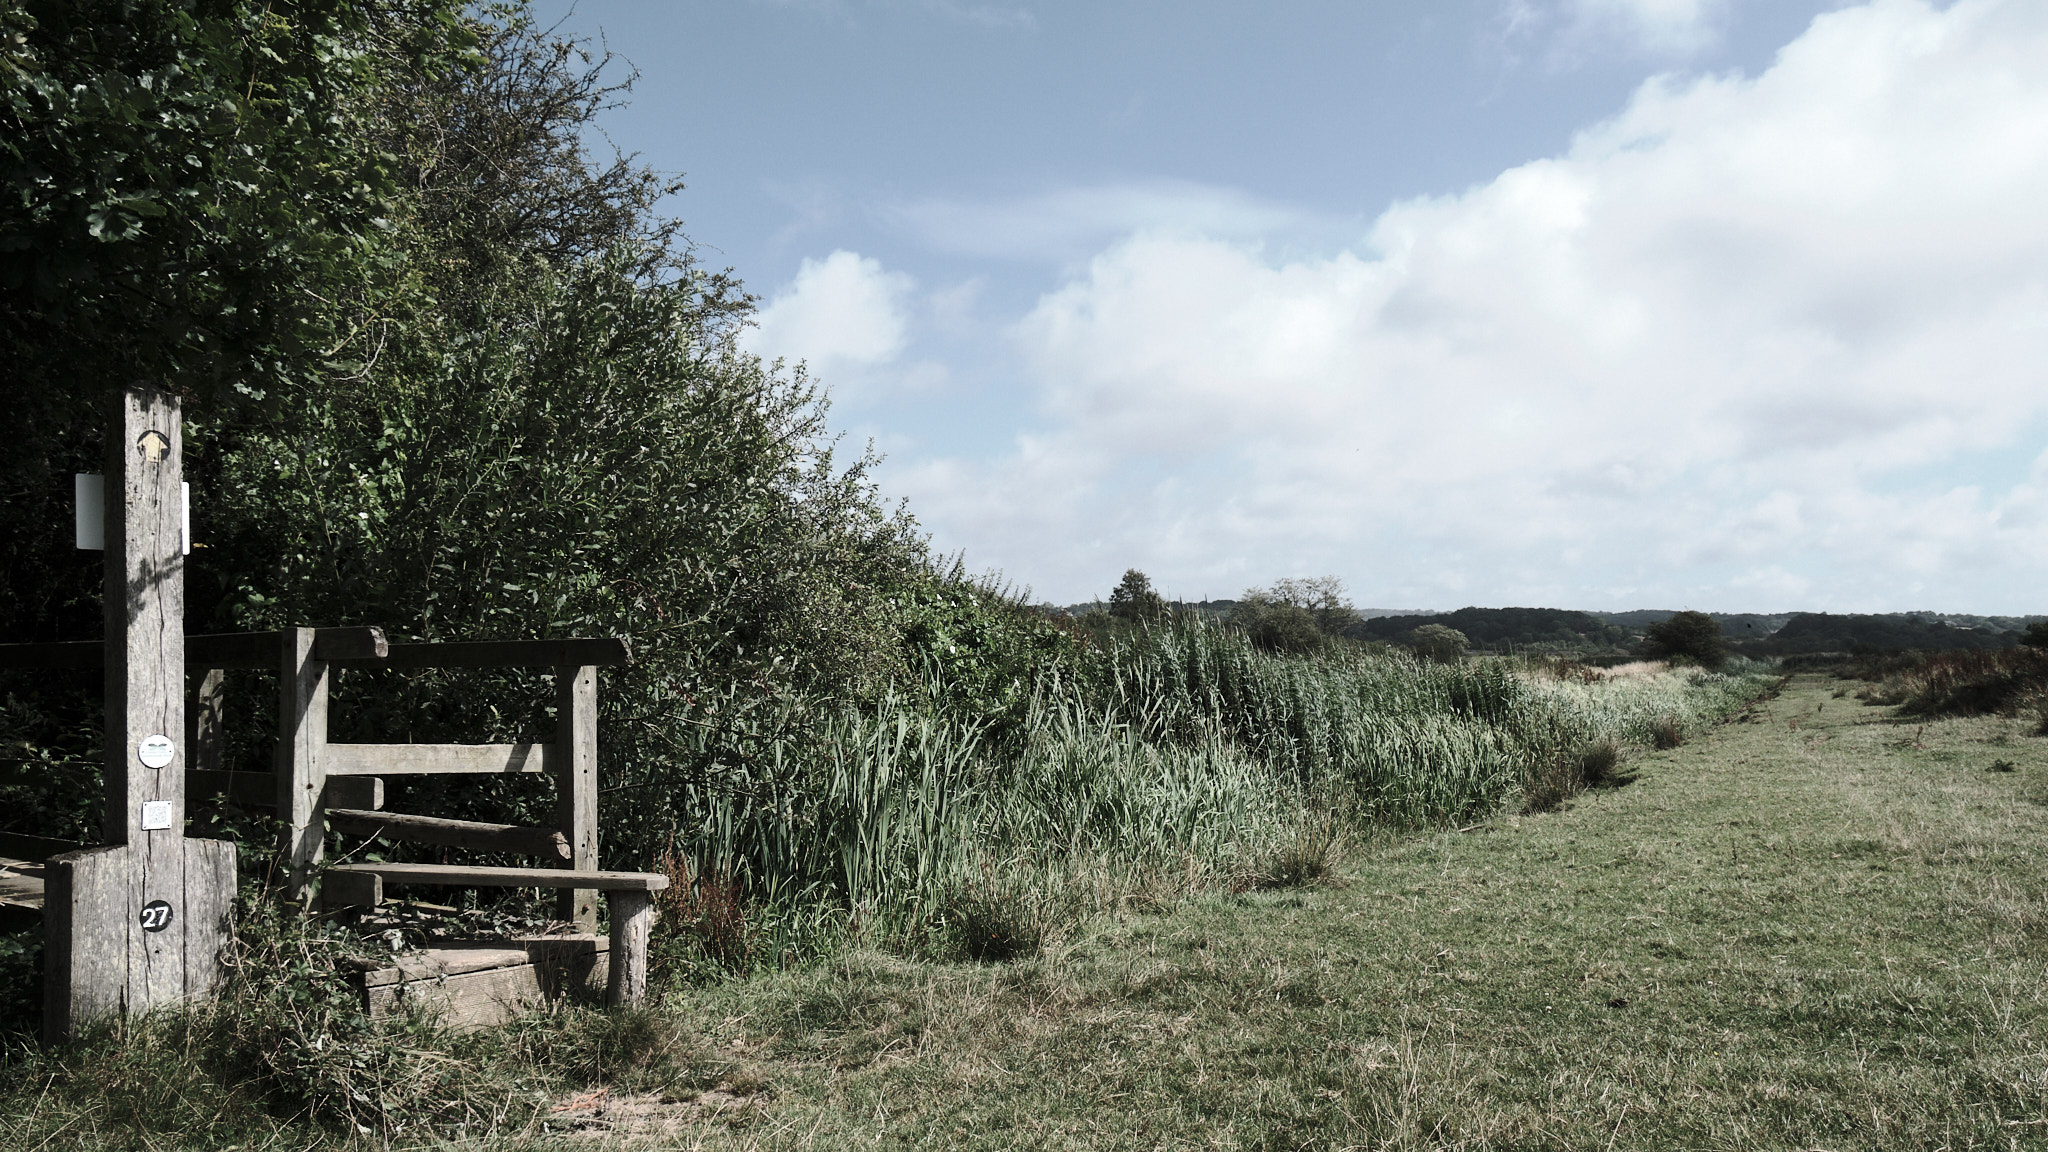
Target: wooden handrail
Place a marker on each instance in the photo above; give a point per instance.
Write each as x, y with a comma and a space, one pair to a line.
571, 652
207, 650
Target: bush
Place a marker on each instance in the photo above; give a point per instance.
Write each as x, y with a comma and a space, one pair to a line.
1437, 642
1693, 636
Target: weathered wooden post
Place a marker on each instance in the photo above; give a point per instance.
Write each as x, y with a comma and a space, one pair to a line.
140, 922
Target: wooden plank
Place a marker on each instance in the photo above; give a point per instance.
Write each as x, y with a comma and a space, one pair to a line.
575, 770
478, 876
21, 846
340, 890
573, 651
259, 649
456, 958
632, 919
433, 759
22, 883
207, 650
471, 834
490, 996
301, 769
259, 789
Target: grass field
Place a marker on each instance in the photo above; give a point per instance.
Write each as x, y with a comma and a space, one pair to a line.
1815, 928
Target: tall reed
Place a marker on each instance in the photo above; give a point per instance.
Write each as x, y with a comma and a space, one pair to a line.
1175, 748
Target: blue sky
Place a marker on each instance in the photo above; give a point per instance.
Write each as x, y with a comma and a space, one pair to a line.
1590, 303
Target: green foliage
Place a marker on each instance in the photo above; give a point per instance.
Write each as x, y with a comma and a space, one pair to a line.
1438, 643
1693, 636
1294, 615
2036, 635
1134, 602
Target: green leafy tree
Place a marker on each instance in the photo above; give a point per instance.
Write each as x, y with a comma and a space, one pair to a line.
1134, 602
1437, 642
1295, 615
2036, 635
1693, 636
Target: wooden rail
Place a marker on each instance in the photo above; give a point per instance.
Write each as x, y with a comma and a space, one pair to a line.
471, 834
206, 650
434, 759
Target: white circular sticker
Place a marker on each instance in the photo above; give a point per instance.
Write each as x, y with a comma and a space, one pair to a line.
156, 751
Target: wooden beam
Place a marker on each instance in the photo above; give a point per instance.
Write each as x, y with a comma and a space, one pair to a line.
572, 652
207, 650
259, 789
471, 834
434, 759
477, 876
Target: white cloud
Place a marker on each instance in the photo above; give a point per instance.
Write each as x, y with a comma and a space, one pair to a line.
1687, 361
842, 313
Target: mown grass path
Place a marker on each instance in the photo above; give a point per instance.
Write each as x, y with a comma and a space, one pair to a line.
1816, 929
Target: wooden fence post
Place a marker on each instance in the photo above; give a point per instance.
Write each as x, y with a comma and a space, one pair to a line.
576, 785
302, 682
140, 922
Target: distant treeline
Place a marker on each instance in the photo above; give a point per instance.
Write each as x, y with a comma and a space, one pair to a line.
1748, 633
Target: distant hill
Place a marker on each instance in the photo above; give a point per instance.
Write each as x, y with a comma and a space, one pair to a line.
1734, 625
1501, 627
1824, 632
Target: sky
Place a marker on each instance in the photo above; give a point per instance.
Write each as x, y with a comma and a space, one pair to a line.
1738, 305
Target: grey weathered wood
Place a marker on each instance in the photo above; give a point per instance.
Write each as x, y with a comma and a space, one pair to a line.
479, 876
471, 834
97, 957
433, 759
340, 890
204, 716
87, 902
21, 882
632, 919
20, 846
574, 651
486, 984
206, 650
144, 610
302, 683
259, 789
574, 762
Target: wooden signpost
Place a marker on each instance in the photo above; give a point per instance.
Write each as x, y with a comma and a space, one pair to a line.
140, 922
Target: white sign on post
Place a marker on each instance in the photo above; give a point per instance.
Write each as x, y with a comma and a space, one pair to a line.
155, 751
89, 508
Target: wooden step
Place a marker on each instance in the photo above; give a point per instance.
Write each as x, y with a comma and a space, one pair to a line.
479, 983
21, 883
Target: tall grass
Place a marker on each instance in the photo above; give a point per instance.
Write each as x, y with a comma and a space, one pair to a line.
1178, 751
